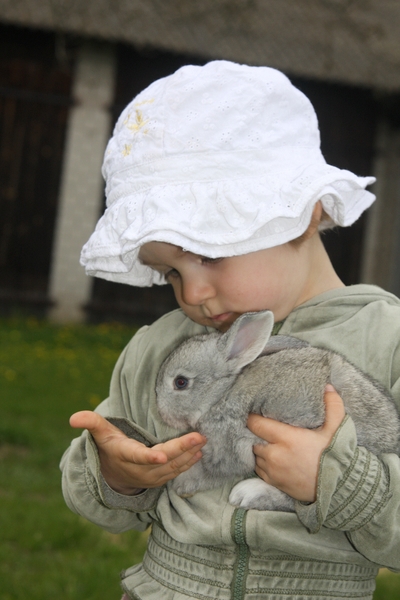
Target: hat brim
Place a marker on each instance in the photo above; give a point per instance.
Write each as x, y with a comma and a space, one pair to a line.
246, 215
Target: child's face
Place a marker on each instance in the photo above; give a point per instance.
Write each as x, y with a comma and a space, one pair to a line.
214, 292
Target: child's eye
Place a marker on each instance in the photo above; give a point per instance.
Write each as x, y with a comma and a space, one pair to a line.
171, 274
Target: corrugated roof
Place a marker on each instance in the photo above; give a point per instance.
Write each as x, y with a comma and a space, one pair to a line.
355, 41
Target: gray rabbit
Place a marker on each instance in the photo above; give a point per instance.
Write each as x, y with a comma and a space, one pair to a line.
210, 384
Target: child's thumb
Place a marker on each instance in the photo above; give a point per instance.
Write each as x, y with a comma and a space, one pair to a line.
334, 408
98, 426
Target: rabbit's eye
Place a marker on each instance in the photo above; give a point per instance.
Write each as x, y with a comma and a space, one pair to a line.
180, 382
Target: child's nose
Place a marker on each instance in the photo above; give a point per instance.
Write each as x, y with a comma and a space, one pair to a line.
196, 291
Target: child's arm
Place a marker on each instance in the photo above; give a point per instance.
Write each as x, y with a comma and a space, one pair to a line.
128, 465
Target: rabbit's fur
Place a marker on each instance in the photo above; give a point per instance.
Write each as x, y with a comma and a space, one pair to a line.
224, 377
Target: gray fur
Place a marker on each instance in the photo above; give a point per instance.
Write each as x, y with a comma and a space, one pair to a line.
243, 370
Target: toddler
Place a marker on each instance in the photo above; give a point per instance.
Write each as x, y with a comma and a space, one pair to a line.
216, 185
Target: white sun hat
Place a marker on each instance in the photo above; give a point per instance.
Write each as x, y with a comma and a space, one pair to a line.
220, 160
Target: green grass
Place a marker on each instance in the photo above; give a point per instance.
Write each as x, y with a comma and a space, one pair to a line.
47, 552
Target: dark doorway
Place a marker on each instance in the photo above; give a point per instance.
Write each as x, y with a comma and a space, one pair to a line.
34, 102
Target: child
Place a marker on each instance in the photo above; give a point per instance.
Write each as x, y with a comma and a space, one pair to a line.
216, 185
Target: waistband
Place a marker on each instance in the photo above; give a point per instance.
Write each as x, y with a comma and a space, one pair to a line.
172, 570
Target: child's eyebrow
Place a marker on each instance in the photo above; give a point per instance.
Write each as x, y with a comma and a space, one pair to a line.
152, 265
147, 263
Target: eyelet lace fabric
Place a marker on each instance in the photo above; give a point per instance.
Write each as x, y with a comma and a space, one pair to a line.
221, 160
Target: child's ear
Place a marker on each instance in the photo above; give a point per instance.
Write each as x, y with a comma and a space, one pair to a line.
312, 229
314, 223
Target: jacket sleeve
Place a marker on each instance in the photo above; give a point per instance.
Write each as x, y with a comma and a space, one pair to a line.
87, 494
84, 488
358, 493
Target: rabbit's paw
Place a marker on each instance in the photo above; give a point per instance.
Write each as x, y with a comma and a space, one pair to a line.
255, 494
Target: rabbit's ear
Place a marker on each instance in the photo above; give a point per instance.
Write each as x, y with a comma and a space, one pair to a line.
283, 342
246, 338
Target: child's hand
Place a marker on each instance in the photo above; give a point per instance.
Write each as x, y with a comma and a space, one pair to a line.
127, 465
290, 460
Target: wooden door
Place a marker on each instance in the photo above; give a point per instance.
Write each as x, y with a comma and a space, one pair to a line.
34, 102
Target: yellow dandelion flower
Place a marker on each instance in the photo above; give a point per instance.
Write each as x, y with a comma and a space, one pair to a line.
94, 400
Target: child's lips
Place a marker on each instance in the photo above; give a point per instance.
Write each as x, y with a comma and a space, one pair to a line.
223, 321
222, 317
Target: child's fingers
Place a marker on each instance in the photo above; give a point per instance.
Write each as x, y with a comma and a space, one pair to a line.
163, 473
104, 433
137, 453
334, 410
291, 458
267, 429
151, 473
181, 452
101, 429
127, 464
273, 431
98, 426
173, 454
185, 445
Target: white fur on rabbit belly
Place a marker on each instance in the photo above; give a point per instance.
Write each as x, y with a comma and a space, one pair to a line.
211, 382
